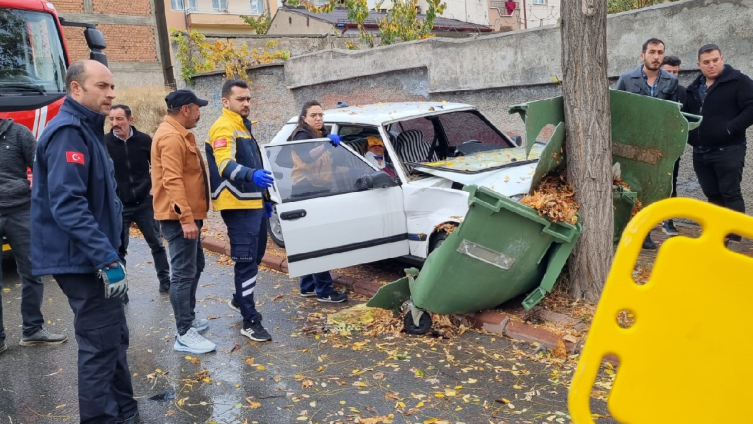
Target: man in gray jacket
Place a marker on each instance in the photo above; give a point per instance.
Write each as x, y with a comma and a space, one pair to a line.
17, 147
649, 79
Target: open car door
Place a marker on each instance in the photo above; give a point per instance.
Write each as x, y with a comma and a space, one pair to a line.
335, 209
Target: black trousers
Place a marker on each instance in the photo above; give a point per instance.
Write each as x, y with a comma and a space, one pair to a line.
719, 174
14, 225
675, 173
105, 392
143, 216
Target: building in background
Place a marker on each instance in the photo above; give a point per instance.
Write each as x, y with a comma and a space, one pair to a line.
216, 16
299, 21
137, 45
522, 14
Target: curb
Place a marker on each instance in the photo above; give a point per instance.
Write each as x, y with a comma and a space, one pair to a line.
491, 321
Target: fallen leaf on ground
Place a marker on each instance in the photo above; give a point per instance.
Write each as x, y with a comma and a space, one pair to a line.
560, 351
376, 420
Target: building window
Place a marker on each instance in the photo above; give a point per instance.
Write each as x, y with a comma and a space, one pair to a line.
539, 2
257, 7
178, 4
219, 5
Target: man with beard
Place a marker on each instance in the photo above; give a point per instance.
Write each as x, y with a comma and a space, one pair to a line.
131, 152
649, 79
239, 191
181, 191
76, 216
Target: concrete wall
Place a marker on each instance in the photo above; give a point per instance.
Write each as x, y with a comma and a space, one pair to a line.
298, 45
130, 29
491, 72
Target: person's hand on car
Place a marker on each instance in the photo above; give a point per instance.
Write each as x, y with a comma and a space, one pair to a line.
262, 178
335, 139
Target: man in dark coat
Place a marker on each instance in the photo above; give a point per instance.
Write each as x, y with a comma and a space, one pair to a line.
724, 97
131, 152
76, 236
672, 64
17, 146
649, 79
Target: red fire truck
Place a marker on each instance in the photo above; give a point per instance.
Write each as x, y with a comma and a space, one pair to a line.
33, 61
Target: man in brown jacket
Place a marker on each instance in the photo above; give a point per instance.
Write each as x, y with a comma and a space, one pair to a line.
181, 193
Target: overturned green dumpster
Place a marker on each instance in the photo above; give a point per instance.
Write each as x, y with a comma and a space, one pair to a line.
504, 249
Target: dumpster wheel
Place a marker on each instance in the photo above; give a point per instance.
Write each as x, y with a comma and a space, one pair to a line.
416, 321
424, 324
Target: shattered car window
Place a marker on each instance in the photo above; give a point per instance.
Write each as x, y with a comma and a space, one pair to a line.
464, 126
314, 169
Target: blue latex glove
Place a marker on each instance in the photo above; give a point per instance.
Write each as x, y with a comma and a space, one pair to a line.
335, 139
268, 209
262, 178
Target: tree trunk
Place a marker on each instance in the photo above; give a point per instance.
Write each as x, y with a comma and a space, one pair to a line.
589, 143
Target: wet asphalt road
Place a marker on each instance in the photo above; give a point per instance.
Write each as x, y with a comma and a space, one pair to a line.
304, 375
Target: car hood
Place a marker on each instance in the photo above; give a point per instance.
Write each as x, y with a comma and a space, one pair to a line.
507, 171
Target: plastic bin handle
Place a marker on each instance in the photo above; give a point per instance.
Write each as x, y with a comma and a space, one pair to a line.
693, 120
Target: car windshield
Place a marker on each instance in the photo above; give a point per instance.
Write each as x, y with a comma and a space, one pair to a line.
31, 54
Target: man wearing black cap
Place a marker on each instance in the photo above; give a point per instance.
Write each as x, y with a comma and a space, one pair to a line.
181, 194
724, 97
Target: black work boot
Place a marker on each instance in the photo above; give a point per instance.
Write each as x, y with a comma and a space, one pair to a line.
649, 244
668, 228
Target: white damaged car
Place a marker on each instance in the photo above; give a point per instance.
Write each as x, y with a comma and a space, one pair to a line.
432, 150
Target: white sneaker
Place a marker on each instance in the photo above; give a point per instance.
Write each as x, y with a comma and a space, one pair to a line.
200, 324
193, 342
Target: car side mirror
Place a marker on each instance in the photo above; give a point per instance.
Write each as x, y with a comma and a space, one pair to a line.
518, 140
379, 179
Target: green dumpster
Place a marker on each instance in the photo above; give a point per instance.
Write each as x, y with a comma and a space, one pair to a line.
503, 249
646, 153
623, 201
477, 269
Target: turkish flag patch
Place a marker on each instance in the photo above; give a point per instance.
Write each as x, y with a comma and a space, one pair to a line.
75, 157
220, 142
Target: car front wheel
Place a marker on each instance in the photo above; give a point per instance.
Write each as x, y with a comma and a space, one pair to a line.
275, 229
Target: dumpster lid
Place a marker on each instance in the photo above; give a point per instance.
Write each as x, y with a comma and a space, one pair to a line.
648, 136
